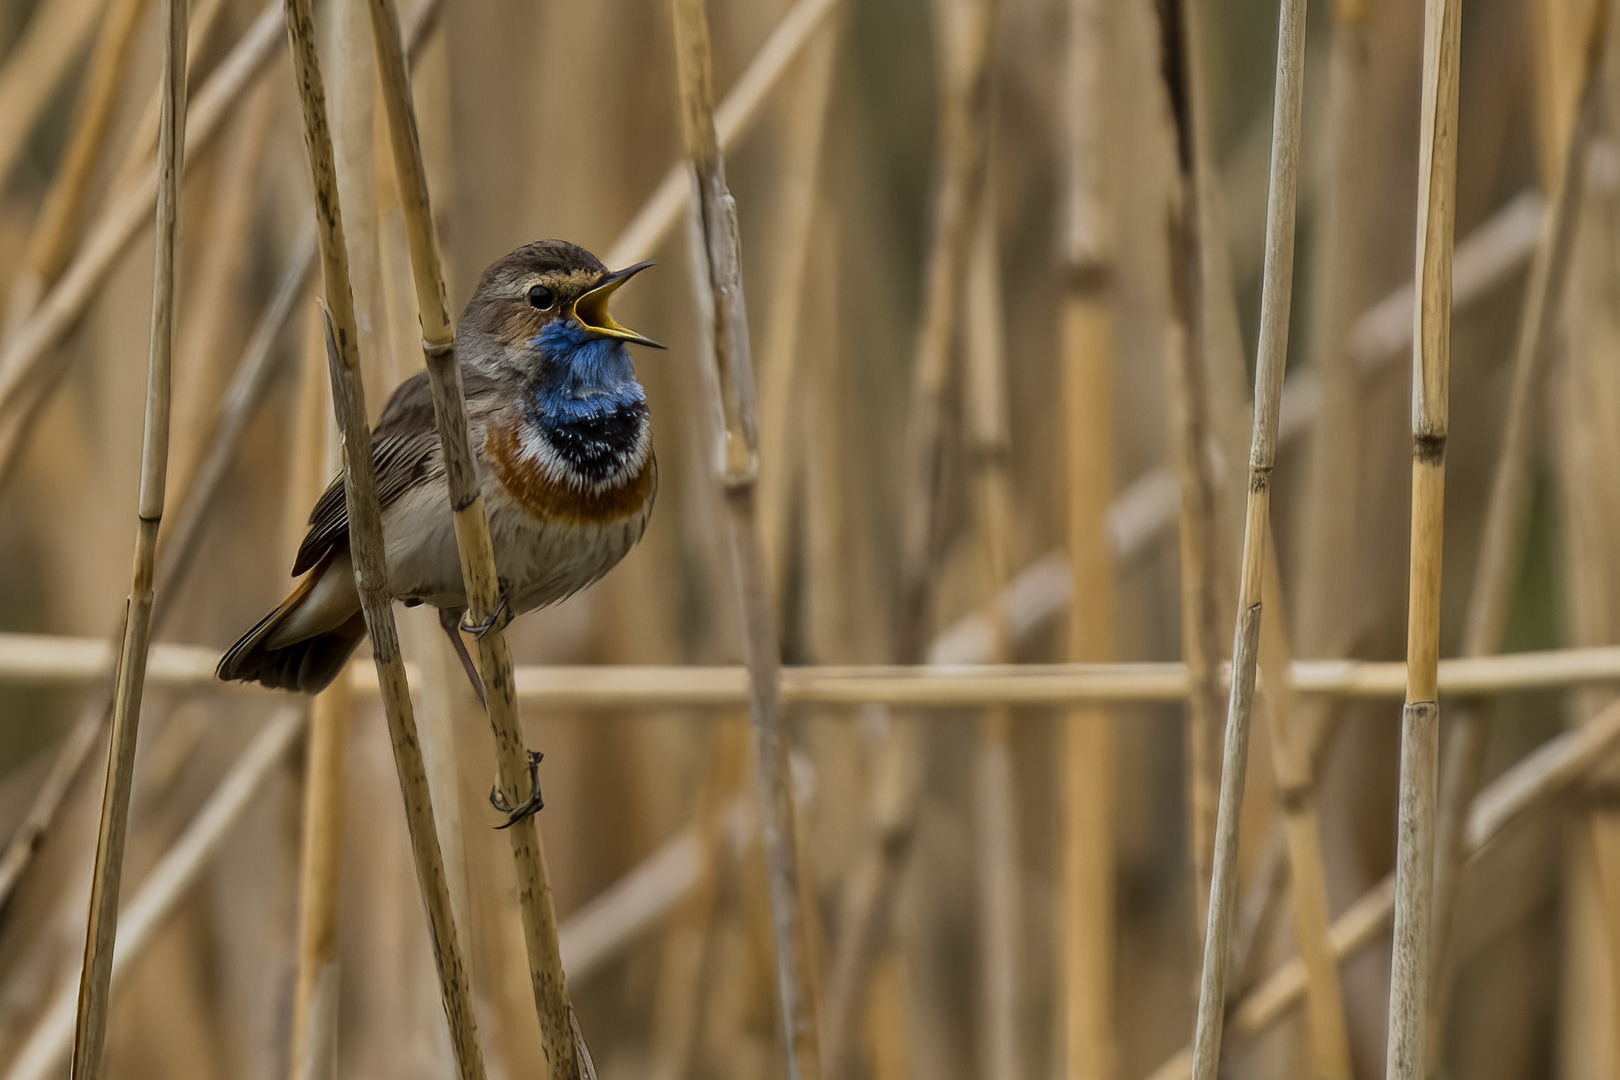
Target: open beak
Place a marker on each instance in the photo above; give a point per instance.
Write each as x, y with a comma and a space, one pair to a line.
591, 309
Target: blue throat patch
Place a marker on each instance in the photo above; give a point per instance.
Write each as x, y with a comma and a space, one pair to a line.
587, 402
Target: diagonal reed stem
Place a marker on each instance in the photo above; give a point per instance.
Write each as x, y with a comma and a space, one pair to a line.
1406, 1058
565, 1052
737, 467
95, 981
366, 543
1276, 289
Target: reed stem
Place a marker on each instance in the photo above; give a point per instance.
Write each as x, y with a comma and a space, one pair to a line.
736, 464
1420, 720
366, 545
565, 1052
95, 981
1086, 338
1507, 520
1276, 289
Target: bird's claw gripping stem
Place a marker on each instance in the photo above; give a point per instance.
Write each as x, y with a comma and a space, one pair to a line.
528, 807
500, 618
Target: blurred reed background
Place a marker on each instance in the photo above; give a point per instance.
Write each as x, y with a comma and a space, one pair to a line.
1005, 262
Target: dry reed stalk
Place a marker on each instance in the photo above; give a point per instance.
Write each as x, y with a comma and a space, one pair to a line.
320, 852
736, 466
26, 382
1267, 402
683, 960
1420, 719
95, 982
1532, 783
204, 338
1328, 518
169, 882
1086, 340
732, 118
175, 558
960, 678
1506, 521
779, 431
1189, 478
177, 553
56, 229
34, 68
565, 1050
204, 16
967, 33
1276, 288
366, 539
994, 810
1485, 260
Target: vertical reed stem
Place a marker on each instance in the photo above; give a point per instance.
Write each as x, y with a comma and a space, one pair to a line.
95, 981
1276, 290
737, 467
564, 1050
1086, 341
1506, 521
1431, 361
995, 845
366, 545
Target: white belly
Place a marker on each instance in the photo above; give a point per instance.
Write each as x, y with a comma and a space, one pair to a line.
540, 562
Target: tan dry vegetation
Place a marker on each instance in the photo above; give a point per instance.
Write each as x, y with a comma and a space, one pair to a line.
971, 556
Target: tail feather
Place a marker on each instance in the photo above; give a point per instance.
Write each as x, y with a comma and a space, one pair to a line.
307, 666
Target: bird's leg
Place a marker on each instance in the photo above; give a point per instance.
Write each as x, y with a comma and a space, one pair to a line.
500, 618
450, 620
527, 807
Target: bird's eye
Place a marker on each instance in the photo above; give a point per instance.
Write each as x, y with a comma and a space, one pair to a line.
541, 298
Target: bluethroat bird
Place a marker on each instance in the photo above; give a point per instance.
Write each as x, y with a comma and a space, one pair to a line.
565, 461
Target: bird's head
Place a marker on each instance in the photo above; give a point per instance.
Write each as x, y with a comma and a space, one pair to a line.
540, 315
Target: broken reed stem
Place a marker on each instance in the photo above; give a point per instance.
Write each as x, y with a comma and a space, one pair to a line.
1420, 720
566, 1055
994, 811
366, 544
1532, 783
95, 981
1276, 288
169, 882
56, 229
26, 382
1507, 521
1086, 340
737, 467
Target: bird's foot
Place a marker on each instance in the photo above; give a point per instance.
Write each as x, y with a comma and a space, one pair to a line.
499, 619
450, 620
528, 807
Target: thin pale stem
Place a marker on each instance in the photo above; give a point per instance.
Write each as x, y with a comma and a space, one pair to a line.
95, 981
736, 465
1276, 289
